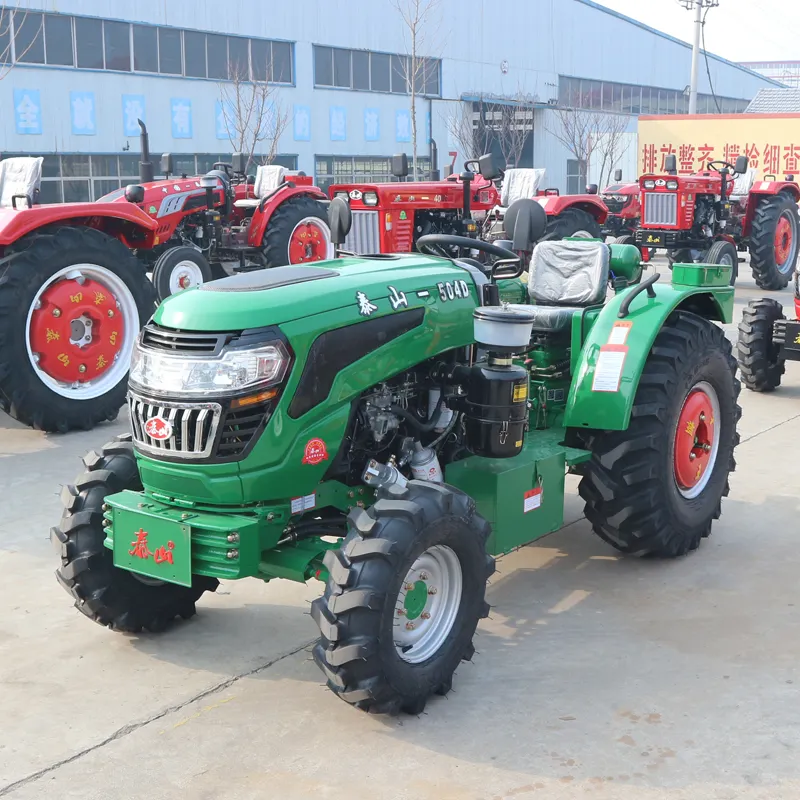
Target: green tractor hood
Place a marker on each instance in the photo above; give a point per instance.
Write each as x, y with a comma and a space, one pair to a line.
370, 286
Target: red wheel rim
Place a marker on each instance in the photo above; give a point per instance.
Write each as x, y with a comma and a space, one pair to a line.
694, 451
76, 330
784, 239
309, 242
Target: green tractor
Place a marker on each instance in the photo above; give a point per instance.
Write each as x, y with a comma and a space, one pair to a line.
388, 424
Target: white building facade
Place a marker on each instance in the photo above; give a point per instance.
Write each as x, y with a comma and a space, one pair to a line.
74, 83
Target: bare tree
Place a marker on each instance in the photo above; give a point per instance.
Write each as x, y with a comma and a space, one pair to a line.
27, 31
588, 133
512, 124
418, 19
468, 131
253, 117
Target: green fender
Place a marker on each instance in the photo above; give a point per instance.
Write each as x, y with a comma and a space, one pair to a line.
600, 405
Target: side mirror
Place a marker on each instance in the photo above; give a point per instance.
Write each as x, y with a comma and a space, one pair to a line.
134, 193
167, 164
525, 222
490, 167
340, 219
400, 165
239, 163
617, 176
671, 164
742, 165
591, 188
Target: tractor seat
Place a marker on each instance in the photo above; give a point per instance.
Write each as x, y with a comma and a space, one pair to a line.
742, 185
19, 179
520, 184
268, 178
565, 277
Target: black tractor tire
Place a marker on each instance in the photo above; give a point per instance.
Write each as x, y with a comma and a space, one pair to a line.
761, 364
572, 222
724, 252
281, 225
108, 595
766, 271
364, 598
199, 270
26, 267
629, 485
683, 256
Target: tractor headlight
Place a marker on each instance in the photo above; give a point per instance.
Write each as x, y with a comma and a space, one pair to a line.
231, 372
370, 198
649, 184
672, 185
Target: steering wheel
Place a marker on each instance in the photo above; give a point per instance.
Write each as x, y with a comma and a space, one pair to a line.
723, 163
435, 244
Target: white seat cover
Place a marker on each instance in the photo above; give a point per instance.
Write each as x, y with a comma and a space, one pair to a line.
743, 183
19, 176
268, 178
520, 183
568, 273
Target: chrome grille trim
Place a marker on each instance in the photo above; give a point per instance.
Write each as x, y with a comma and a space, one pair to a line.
660, 208
197, 423
364, 236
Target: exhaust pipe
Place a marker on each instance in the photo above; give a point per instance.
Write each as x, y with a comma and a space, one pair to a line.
146, 174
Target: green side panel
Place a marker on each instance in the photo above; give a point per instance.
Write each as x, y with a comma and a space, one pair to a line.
625, 261
513, 291
522, 497
701, 275
581, 325
589, 407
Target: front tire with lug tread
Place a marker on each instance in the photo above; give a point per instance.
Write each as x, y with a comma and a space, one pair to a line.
383, 577
108, 595
635, 486
760, 362
725, 253
180, 268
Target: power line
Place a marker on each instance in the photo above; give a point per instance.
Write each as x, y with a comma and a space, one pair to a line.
705, 56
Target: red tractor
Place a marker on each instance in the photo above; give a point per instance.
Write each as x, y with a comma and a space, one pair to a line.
74, 289
624, 210
712, 216
391, 217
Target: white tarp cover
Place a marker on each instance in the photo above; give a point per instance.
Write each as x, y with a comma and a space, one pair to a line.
19, 176
520, 183
268, 177
568, 273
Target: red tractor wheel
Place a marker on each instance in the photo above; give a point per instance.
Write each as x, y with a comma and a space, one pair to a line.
71, 305
774, 242
298, 233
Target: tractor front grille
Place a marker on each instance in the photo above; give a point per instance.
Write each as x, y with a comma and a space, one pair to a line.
660, 208
157, 337
364, 236
239, 428
194, 427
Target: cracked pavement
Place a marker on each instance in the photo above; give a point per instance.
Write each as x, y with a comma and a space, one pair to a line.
595, 676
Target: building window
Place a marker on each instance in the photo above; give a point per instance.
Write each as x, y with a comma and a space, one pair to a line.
632, 99
576, 176
360, 169
365, 71
106, 44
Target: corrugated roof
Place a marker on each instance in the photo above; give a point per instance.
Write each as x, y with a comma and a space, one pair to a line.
775, 101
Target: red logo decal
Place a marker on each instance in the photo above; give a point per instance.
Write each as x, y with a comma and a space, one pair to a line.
158, 428
163, 554
139, 548
316, 451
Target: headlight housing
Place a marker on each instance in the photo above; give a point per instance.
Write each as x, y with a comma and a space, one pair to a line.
649, 184
370, 198
231, 372
672, 185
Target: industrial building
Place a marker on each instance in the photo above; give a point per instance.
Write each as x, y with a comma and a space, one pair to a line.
75, 83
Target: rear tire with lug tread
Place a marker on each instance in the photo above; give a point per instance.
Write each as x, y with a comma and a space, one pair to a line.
723, 252
771, 213
760, 363
570, 222
383, 576
282, 227
631, 487
106, 594
30, 265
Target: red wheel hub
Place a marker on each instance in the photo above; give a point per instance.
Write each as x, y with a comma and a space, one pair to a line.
308, 243
76, 330
784, 238
694, 439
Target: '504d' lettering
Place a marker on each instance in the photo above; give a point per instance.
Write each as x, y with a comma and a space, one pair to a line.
450, 290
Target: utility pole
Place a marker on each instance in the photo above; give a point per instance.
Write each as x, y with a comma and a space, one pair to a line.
698, 6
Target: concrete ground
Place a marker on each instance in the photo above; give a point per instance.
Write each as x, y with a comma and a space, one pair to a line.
596, 676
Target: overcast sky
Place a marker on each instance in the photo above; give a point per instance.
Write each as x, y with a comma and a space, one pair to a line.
739, 30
